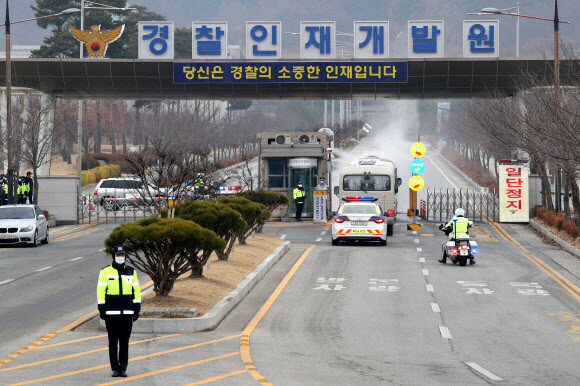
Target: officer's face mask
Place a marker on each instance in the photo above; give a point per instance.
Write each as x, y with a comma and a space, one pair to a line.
120, 259
299, 185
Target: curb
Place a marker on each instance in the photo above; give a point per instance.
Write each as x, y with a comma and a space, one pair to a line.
213, 317
565, 246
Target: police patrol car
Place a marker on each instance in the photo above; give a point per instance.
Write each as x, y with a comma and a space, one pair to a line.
359, 218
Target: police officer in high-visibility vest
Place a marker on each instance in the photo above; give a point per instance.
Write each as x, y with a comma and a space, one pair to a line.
119, 300
3, 190
299, 200
458, 226
30, 186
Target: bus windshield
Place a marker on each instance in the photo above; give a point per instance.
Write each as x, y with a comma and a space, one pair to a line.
367, 183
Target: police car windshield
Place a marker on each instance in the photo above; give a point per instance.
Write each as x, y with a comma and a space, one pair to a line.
16, 213
359, 209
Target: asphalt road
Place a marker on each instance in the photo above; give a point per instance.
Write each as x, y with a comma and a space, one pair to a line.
43, 289
351, 314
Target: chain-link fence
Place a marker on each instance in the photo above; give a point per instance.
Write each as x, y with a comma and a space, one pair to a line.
441, 204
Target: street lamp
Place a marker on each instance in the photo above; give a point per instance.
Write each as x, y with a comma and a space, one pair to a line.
7, 25
557, 21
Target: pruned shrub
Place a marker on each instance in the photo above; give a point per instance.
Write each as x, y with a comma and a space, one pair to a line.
164, 248
115, 159
94, 175
254, 214
571, 228
226, 222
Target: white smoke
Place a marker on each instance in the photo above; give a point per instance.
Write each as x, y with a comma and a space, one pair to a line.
393, 132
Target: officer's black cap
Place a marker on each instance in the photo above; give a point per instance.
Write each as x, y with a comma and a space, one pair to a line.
119, 250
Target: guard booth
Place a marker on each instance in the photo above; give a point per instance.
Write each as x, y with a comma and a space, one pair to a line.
287, 158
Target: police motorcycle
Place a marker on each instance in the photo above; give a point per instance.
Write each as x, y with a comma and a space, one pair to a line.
459, 248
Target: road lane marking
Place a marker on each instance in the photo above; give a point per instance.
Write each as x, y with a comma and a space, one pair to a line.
43, 269
323, 233
435, 307
68, 342
429, 287
6, 281
327, 227
122, 380
416, 241
283, 237
441, 171
77, 258
421, 259
245, 340
445, 333
216, 378
101, 250
483, 371
108, 365
414, 232
419, 249
425, 272
565, 283
81, 354
319, 239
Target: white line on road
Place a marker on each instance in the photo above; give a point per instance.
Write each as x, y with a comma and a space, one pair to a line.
43, 269
6, 281
319, 239
421, 259
435, 307
101, 250
419, 249
445, 333
77, 258
429, 287
414, 232
323, 233
416, 241
483, 371
441, 171
283, 237
425, 272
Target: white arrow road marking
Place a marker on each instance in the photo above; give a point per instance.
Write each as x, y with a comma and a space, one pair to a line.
435, 307
445, 333
483, 371
6, 281
77, 258
43, 269
429, 287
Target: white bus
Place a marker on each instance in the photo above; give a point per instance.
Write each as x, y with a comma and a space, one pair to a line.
372, 176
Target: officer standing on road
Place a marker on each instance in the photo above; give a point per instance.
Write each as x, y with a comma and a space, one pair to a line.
3, 190
299, 200
119, 300
30, 186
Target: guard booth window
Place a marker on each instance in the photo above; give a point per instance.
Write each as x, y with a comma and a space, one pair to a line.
277, 174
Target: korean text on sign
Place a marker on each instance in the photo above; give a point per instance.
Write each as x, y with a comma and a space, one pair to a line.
156, 40
480, 38
210, 40
395, 72
513, 193
263, 40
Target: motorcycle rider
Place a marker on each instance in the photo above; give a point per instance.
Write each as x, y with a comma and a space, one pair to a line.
458, 226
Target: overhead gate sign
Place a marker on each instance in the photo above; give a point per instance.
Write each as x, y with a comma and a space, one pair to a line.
290, 72
514, 205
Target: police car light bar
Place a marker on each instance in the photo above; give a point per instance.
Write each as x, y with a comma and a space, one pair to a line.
235, 188
359, 198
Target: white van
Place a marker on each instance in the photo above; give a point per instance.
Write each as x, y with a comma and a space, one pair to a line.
372, 176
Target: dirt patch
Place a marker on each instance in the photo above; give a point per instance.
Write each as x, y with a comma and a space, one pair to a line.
220, 277
574, 241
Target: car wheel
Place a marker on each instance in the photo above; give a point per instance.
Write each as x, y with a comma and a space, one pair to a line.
35, 241
390, 230
382, 242
334, 241
45, 241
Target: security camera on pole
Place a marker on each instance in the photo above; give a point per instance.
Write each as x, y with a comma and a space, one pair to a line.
416, 182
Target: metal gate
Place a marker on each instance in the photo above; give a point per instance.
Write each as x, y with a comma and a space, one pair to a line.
441, 204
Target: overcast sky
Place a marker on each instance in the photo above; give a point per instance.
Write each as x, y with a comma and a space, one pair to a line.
536, 36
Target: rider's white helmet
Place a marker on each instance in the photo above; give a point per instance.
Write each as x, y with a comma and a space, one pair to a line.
459, 212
